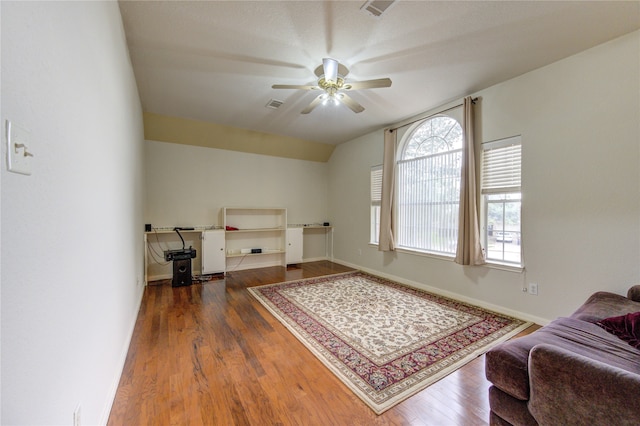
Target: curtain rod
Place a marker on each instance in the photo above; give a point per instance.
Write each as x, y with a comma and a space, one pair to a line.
473, 101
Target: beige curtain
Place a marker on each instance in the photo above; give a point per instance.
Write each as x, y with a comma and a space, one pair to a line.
386, 241
470, 251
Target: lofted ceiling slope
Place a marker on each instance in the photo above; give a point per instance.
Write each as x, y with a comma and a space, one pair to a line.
215, 61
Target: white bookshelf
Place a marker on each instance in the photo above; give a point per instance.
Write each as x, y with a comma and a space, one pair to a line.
261, 228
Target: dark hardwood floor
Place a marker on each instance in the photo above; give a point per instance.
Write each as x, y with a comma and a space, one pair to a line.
210, 354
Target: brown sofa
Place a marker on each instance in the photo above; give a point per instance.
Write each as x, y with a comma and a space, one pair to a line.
574, 371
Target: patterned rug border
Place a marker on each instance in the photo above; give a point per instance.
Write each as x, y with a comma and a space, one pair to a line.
352, 381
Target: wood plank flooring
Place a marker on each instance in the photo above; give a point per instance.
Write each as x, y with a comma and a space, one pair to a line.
210, 354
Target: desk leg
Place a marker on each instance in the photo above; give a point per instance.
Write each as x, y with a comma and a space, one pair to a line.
331, 231
146, 259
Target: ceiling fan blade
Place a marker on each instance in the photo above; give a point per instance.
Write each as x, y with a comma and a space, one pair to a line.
314, 103
294, 86
330, 70
368, 84
353, 105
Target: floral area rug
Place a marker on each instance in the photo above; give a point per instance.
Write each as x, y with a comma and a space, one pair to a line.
384, 340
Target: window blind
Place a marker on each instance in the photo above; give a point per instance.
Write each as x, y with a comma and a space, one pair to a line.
376, 201
429, 202
501, 166
376, 184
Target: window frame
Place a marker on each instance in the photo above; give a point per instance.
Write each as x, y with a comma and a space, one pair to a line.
376, 201
403, 140
504, 183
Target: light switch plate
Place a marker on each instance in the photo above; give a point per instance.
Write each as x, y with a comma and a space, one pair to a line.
19, 156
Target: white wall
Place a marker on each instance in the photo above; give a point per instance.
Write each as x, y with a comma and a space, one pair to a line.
72, 231
189, 185
580, 127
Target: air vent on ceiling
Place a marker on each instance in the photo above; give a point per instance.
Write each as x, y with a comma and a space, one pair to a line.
377, 7
274, 103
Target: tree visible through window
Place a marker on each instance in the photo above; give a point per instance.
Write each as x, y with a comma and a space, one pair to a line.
428, 195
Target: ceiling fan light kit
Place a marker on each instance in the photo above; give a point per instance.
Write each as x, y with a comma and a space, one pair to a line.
331, 79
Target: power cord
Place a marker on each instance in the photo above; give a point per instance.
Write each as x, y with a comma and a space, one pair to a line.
238, 264
154, 253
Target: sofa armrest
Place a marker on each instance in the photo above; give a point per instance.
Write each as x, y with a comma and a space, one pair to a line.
567, 388
634, 293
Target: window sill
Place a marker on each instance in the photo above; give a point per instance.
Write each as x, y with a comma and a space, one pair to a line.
504, 266
426, 254
490, 264
418, 253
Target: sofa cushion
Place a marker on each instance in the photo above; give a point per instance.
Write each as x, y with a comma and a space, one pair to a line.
634, 293
506, 365
625, 327
509, 410
604, 305
571, 389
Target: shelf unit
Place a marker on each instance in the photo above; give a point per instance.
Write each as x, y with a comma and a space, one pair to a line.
219, 250
257, 228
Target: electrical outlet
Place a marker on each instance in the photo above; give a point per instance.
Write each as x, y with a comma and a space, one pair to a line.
533, 289
76, 416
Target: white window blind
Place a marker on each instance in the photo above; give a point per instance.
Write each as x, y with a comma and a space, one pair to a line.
501, 189
501, 166
376, 184
428, 205
428, 191
376, 199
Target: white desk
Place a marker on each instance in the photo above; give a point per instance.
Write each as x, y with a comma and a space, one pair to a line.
168, 235
162, 233
328, 236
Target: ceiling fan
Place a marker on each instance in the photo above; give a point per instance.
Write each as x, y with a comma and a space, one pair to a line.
331, 75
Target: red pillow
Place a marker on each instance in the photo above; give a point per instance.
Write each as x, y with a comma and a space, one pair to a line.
626, 327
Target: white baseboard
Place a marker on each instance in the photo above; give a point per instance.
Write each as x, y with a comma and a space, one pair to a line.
159, 277
449, 294
253, 264
240, 268
314, 259
121, 362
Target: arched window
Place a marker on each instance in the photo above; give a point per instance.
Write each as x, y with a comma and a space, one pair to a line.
428, 167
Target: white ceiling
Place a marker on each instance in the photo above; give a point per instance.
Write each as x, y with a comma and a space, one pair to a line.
216, 60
